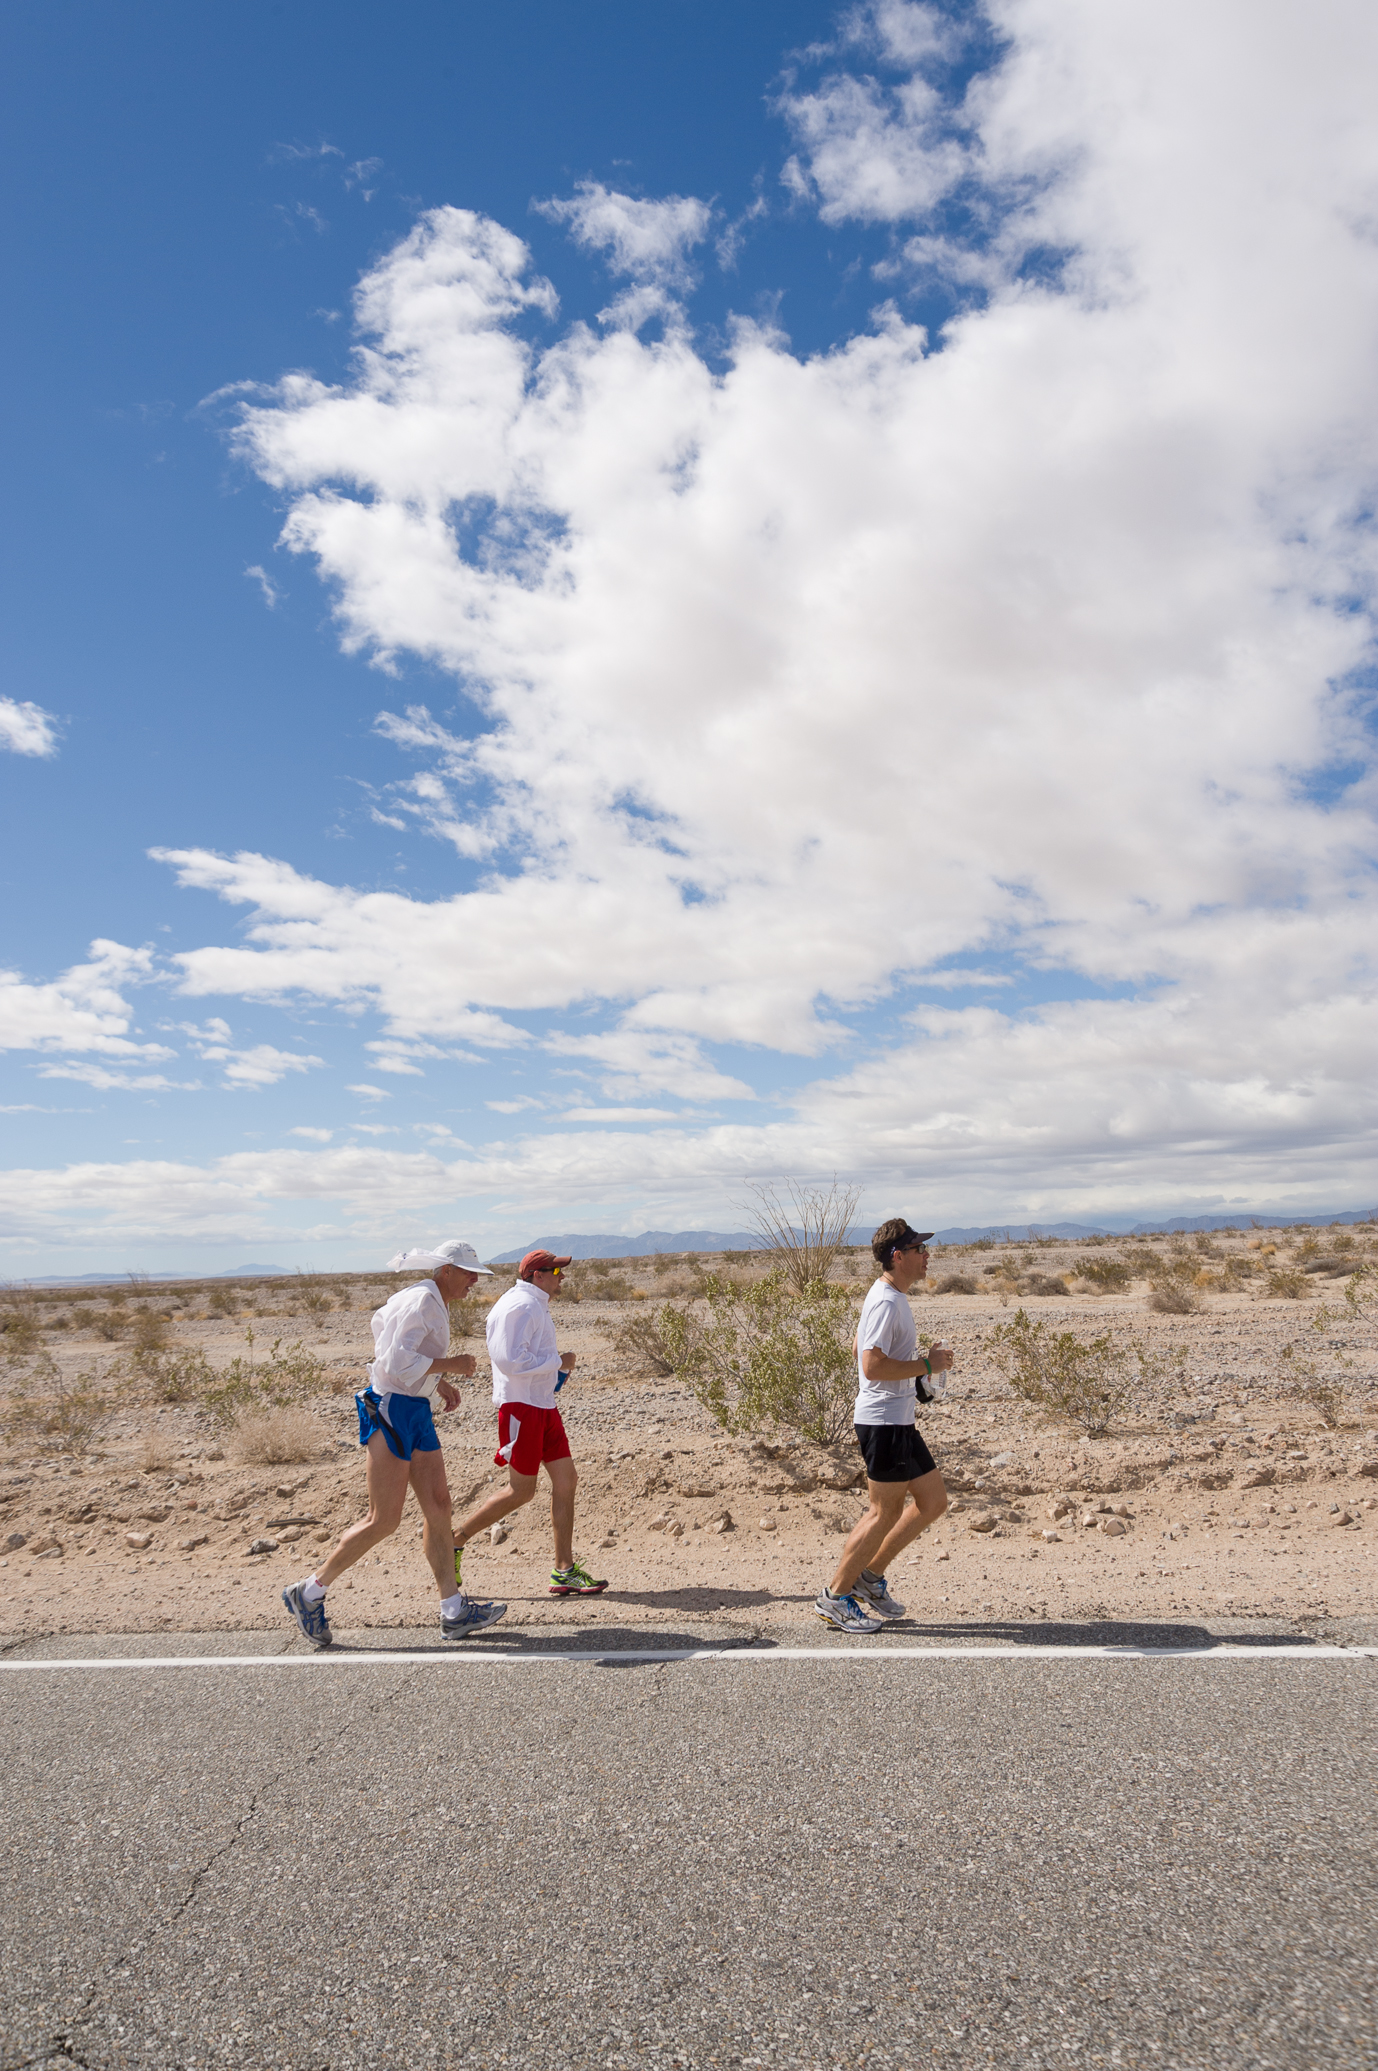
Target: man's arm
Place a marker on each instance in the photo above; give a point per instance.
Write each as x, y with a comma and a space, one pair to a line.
879, 1366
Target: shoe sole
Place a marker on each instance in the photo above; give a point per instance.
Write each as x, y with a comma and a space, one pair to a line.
475, 1625
573, 1589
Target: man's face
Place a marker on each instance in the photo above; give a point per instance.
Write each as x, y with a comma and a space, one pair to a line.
911, 1264
454, 1282
548, 1282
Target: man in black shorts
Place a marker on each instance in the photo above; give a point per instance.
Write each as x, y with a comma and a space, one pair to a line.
900, 1471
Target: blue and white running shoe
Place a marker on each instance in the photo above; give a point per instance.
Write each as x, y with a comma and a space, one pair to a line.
471, 1617
845, 1613
311, 1618
872, 1592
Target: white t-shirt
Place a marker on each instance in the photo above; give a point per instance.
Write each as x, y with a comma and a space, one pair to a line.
522, 1347
887, 1325
410, 1330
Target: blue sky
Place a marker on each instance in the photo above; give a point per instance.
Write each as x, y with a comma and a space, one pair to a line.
881, 591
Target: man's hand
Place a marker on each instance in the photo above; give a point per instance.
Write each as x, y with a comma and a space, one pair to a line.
567, 1360
463, 1362
449, 1395
940, 1358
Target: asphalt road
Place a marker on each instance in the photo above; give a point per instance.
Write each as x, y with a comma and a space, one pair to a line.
819, 1862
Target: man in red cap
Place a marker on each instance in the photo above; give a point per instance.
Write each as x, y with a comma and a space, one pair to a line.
528, 1370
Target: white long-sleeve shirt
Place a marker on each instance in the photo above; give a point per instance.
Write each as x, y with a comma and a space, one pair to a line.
410, 1330
522, 1347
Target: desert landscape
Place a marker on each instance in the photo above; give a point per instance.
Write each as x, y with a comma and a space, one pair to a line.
175, 1453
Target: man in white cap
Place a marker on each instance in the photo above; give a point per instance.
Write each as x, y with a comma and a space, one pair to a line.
410, 1368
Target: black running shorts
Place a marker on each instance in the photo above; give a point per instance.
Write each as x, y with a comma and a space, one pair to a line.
893, 1452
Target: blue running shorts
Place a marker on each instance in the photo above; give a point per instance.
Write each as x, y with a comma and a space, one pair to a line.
413, 1426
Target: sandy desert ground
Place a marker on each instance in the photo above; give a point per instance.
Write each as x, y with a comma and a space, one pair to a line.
1220, 1495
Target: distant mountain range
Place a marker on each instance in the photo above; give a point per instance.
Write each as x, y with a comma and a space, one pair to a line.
112, 1279
652, 1242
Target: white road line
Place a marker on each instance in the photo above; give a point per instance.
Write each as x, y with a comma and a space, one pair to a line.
491, 1658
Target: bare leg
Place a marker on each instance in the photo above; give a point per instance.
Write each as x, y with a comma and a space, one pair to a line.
563, 1482
388, 1478
928, 1497
432, 1492
521, 1488
869, 1534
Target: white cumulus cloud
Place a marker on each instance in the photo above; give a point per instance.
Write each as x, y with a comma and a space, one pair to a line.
799, 680
26, 729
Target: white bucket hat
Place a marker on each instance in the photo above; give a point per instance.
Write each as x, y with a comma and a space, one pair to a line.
425, 1258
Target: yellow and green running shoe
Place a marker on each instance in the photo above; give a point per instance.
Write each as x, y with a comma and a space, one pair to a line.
575, 1581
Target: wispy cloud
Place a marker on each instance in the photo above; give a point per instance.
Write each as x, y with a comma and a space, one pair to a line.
271, 593
26, 729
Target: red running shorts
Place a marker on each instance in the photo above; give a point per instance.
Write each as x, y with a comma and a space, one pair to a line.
528, 1438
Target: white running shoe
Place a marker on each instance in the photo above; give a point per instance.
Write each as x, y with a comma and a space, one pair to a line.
845, 1613
470, 1617
872, 1592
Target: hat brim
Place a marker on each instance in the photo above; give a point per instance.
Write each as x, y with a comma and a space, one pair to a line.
429, 1262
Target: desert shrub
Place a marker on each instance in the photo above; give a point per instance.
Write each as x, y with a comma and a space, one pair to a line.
310, 1295
803, 1234
609, 1287
466, 1318
274, 1437
19, 1327
151, 1334
1173, 1285
1106, 1275
110, 1323
221, 1301
641, 1338
766, 1354
1088, 1383
1287, 1283
247, 1383
63, 1416
955, 1283
1044, 1283
1206, 1244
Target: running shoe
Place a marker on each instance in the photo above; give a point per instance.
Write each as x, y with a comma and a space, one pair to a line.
471, 1617
845, 1613
872, 1592
311, 1618
575, 1581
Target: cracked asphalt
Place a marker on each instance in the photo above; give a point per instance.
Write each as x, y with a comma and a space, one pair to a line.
825, 1862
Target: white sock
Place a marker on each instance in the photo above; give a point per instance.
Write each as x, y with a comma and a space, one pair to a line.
451, 1606
312, 1591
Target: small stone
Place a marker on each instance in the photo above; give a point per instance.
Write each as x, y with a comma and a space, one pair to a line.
658, 1523
768, 1524
1062, 1508
1053, 1538
1114, 1527
46, 1549
981, 1524
1344, 1518
944, 1555
1089, 1519
1367, 1467
1003, 1460
285, 1488
15, 1541
497, 1533
190, 1545
292, 1533
215, 1452
140, 1541
263, 1546
674, 1530
1259, 1478
158, 1516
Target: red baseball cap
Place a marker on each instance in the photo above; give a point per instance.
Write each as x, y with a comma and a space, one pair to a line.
540, 1262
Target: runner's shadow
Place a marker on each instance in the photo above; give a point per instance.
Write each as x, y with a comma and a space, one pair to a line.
1136, 1633
689, 1598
